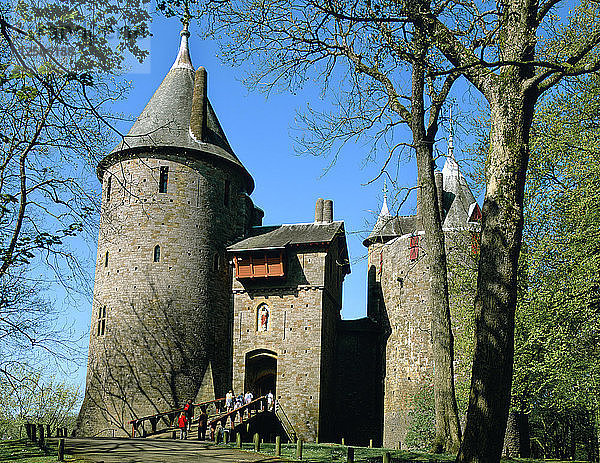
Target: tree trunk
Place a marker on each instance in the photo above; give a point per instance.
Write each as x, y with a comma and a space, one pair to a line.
495, 302
447, 425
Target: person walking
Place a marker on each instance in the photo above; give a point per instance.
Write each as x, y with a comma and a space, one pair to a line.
188, 409
229, 401
270, 401
182, 423
202, 422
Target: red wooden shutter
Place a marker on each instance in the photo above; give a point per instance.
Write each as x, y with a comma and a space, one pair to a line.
413, 246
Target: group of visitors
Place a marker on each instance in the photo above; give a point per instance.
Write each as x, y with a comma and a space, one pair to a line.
232, 402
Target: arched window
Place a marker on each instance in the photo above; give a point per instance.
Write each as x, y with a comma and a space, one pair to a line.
108, 187
106, 259
101, 323
157, 253
164, 179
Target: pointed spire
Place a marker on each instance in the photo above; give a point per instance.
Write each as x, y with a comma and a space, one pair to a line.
183, 60
384, 209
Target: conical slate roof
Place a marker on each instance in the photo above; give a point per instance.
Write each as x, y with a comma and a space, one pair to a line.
458, 197
165, 121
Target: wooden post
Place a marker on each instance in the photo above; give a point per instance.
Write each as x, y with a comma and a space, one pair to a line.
277, 446
238, 440
256, 442
386, 457
41, 433
61, 450
343, 441
370, 443
226, 436
299, 449
350, 455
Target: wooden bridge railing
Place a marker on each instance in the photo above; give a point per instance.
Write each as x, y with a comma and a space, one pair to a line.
171, 415
257, 405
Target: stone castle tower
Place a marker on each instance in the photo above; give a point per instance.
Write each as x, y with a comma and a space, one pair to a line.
174, 195
398, 286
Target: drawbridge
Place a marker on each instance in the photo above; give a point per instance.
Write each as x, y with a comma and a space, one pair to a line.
255, 416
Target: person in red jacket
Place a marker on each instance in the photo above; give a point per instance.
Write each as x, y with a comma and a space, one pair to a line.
182, 423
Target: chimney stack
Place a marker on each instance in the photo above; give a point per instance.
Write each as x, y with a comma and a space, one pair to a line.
199, 105
328, 211
319, 211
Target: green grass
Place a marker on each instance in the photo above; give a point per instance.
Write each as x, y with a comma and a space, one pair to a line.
336, 453
24, 451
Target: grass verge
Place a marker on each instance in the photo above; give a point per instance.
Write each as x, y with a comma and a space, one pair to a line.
336, 453
24, 451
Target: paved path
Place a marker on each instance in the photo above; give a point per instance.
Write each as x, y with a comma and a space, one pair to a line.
158, 451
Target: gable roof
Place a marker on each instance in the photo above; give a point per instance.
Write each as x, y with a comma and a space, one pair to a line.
281, 236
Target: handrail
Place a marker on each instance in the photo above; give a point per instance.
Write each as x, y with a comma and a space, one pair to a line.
232, 414
286, 424
136, 422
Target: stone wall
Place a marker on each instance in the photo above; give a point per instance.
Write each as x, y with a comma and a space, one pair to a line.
166, 320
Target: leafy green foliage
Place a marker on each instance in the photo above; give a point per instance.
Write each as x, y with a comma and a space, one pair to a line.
557, 373
35, 400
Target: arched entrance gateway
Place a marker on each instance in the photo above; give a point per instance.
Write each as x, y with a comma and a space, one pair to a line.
260, 372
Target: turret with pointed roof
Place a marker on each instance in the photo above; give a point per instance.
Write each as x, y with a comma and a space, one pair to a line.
174, 196
165, 122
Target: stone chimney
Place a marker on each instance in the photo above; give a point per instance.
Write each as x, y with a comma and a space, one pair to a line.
328, 211
319, 211
199, 105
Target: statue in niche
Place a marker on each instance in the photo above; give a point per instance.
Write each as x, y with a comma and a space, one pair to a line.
263, 318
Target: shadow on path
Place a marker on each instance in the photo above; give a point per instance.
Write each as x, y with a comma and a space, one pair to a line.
158, 451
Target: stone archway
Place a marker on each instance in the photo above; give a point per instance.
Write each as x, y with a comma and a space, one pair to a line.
260, 372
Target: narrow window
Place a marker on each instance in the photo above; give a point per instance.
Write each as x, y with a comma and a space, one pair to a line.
101, 322
226, 193
106, 259
413, 245
108, 187
164, 179
157, 253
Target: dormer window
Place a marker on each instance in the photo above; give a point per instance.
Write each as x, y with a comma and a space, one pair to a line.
164, 179
413, 248
259, 265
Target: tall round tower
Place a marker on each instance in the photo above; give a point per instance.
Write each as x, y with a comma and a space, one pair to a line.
174, 195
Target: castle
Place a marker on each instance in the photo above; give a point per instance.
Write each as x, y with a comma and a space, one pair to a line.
194, 296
